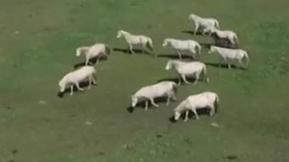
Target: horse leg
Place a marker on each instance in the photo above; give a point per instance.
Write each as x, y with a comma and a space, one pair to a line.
180, 55
130, 47
168, 99
196, 114
97, 61
143, 48
89, 82
93, 80
146, 105
153, 102
221, 62
212, 112
185, 80
186, 116
78, 87
196, 28
71, 90
179, 80
229, 65
87, 61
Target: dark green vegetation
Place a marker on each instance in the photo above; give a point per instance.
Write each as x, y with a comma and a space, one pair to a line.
37, 47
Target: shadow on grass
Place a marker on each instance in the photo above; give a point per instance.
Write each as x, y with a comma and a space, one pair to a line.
207, 45
192, 33
92, 61
231, 157
67, 90
201, 112
225, 66
127, 51
176, 80
223, 42
175, 57
141, 104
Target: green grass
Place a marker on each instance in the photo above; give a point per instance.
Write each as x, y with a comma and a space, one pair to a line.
37, 47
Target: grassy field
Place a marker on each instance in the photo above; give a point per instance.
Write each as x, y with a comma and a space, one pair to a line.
37, 47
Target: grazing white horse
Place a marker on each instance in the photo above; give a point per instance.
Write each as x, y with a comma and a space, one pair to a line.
199, 101
148, 93
184, 69
76, 77
229, 35
97, 51
203, 23
136, 40
228, 55
183, 45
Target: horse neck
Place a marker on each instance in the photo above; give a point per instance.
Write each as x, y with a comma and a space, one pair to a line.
125, 34
176, 64
195, 17
169, 41
181, 106
63, 81
173, 64
82, 50
215, 49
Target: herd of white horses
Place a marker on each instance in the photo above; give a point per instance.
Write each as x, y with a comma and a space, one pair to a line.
184, 69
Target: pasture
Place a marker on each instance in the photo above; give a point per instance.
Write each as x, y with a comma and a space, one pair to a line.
37, 47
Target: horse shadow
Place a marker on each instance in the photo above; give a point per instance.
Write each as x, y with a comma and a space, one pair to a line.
141, 104
84, 84
201, 112
223, 42
207, 45
127, 51
189, 79
176, 80
225, 66
193, 33
175, 57
92, 62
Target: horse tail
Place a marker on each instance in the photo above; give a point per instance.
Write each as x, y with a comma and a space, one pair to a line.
175, 88
150, 44
198, 49
205, 73
216, 103
107, 50
236, 40
247, 58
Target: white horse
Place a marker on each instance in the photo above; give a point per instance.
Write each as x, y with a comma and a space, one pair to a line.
229, 35
203, 23
148, 93
199, 101
76, 77
136, 40
183, 45
228, 55
184, 69
97, 51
